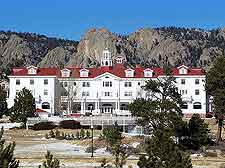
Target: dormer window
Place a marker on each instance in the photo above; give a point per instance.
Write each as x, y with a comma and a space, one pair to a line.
119, 59
32, 70
148, 72
183, 69
129, 73
84, 73
65, 73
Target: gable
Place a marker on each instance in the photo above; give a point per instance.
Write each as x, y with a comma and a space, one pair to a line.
65, 72
32, 70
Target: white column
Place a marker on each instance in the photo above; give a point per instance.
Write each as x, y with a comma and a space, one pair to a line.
82, 107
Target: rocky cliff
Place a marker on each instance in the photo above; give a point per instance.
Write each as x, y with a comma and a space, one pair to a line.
147, 47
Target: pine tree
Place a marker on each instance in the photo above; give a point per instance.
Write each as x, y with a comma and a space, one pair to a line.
162, 107
215, 86
88, 134
162, 152
3, 103
50, 161
6, 154
82, 133
161, 116
198, 131
24, 107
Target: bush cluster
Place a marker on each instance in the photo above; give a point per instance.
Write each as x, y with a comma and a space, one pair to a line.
61, 135
70, 124
44, 126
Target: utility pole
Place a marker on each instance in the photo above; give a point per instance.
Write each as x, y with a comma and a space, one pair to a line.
92, 136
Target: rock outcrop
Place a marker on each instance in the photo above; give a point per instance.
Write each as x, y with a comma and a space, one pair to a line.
147, 47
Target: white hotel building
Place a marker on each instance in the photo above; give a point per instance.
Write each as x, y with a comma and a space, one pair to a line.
107, 89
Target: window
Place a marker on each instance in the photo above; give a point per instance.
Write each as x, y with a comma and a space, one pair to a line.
45, 92
17, 92
84, 73
32, 70
31, 82
61, 84
107, 94
196, 81
183, 92
74, 83
197, 92
17, 82
123, 107
128, 93
45, 105
85, 93
107, 84
183, 81
139, 83
45, 81
129, 73
127, 84
86, 84
3, 86
65, 73
184, 105
197, 105
65, 84
148, 72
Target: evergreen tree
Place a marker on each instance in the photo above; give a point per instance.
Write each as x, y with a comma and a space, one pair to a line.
3, 103
6, 154
161, 116
162, 107
163, 152
24, 107
198, 131
194, 134
82, 133
215, 86
88, 134
50, 161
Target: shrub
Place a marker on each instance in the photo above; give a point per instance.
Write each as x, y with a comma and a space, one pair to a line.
44, 126
82, 133
46, 136
77, 135
51, 134
88, 134
210, 154
89, 149
57, 133
70, 124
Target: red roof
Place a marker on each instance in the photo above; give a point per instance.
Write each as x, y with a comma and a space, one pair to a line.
40, 111
40, 72
117, 70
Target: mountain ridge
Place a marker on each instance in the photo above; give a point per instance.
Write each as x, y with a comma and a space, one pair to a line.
146, 46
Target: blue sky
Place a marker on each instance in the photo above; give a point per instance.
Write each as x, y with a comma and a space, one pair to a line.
72, 18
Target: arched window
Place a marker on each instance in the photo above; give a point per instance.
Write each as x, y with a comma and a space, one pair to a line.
184, 105
90, 107
123, 107
45, 105
197, 105
106, 63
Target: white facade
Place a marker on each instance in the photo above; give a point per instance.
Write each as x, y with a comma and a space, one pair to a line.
107, 89
44, 89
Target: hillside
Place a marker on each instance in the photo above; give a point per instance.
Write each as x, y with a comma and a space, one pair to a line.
147, 47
